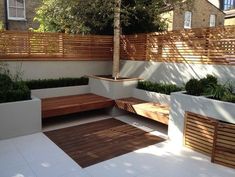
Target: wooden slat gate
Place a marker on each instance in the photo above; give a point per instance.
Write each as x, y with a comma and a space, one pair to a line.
224, 149
199, 133
211, 137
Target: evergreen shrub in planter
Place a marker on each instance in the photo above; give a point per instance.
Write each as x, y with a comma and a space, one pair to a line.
54, 83
12, 91
158, 87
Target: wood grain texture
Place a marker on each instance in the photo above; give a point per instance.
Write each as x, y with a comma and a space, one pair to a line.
199, 133
154, 111
95, 142
58, 106
15, 45
198, 45
224, 149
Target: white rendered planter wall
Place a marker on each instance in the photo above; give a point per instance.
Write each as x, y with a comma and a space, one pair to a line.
180, 103
60, 91
112, 89
20, 118
151, 96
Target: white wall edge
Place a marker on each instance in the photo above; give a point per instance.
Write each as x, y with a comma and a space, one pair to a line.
60, 91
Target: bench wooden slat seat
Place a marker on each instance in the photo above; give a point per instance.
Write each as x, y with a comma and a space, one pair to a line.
64, 105
155, 111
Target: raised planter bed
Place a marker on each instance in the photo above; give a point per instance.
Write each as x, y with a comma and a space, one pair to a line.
20, 118
181, 103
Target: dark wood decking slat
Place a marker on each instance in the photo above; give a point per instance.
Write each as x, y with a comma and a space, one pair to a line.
95, 142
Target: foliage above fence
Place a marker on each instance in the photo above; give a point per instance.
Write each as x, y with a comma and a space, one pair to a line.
54, 46
203, 45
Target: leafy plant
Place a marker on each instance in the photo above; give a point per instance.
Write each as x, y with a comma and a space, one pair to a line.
208, 81
217, 91
5, 82
12, 91
51, 83
229, 98
194, 87
96, 17
158, 87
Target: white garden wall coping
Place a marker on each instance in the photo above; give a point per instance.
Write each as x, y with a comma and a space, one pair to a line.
180, 103
20, 118
60, 91
151, 96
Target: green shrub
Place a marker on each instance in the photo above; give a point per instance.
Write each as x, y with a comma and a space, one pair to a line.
5, 82
217, 91
194, 87
51, 83
158, 87
18, 92
229, 98
207, 82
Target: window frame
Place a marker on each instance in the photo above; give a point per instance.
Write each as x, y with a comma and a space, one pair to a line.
212, 15
16, 18
191, 14
228, 4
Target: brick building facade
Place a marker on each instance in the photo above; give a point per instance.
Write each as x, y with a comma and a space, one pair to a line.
200, 14
28, 9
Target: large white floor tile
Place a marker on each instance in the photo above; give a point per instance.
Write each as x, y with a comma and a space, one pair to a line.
19, 170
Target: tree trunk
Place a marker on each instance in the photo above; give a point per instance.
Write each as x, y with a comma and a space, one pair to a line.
116, 39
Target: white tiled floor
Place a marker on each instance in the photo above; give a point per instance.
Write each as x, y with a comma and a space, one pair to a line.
36, 156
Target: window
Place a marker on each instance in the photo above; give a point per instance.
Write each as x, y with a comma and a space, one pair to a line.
229, 4
16, 9
187, 19
212, 20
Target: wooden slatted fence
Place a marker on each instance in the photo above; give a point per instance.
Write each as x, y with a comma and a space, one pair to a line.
201, 45
54, 46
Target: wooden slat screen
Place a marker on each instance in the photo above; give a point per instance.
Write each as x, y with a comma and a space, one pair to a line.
224, 149
54, 46
199, 133
201, 45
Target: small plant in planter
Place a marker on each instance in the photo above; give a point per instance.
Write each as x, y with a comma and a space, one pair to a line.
210, 88
12, 90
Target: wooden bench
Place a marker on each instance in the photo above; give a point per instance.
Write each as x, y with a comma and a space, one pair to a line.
155, 111
64, 105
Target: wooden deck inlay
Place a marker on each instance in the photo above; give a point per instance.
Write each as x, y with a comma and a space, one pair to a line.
155, 111
58, 106
95, 142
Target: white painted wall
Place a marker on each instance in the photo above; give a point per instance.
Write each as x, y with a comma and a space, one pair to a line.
57, 69
60, 91
151, 96
20, 118
177, 73
112, 89
180, 103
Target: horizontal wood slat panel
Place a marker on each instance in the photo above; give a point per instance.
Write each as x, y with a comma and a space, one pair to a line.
199, 45
224, 150
199, 133
15, 45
